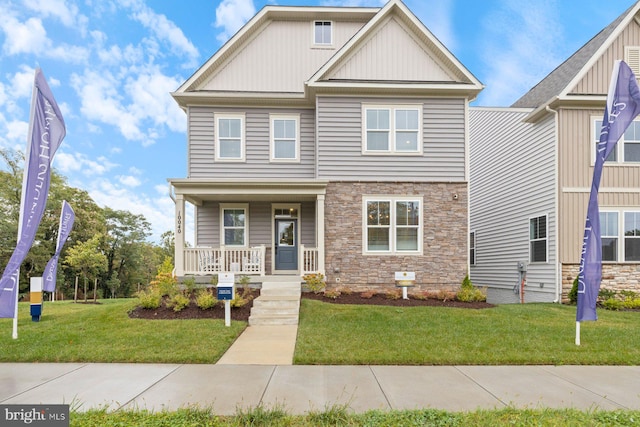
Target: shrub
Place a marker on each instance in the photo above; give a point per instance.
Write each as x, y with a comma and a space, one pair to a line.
632, 303
178, 302
573, 293
205, 299
367, 294
238, 301
332, 293
393, 294
469, 293
604, 294
612, 304
189, 284
149, 299
314, 281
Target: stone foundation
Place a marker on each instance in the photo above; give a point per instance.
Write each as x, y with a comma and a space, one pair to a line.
442, 266
616, 277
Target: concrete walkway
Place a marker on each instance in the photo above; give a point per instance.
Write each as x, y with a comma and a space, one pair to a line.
262, 345
299, 389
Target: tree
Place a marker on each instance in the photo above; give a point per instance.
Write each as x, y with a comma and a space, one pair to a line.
87, 258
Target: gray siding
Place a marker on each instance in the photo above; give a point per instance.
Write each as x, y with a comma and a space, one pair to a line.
202, 148
207, 219
340, 142
512, 179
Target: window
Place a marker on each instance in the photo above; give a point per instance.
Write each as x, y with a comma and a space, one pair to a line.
609, 235
632, 236
538, 239
393, 225
322, 32
627, 149
392, 129
472, 248
285, 140
234, 225
229, 137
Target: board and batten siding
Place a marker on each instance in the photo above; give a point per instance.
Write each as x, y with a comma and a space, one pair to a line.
512, 179
340, 141
619, 186
201, 150
280, 58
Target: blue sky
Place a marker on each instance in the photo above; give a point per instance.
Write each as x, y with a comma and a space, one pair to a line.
112, 63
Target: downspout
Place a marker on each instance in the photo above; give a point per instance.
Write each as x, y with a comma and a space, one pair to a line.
558, 264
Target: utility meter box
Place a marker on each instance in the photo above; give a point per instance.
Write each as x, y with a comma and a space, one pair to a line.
522, 266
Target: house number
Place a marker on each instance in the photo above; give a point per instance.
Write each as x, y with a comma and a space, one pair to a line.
179, 228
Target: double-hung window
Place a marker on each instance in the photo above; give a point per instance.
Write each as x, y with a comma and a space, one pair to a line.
393, 225
285, 138
230, 137
234, 225
627, 150
392, 129
609, 235
538, 239
632, 236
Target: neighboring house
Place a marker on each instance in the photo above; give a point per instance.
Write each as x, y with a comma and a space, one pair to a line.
531, 171
332, 140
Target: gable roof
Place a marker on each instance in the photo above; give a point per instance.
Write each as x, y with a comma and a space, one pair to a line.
557, 84
451, 76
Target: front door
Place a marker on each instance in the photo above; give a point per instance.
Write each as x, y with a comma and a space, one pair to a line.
286, 244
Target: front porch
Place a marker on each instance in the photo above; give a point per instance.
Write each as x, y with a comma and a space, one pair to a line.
205, 261
258, 229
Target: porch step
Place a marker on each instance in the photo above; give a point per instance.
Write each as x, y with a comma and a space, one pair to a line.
278, 304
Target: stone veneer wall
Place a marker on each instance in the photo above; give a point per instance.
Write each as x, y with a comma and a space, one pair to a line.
617, 277
443, 264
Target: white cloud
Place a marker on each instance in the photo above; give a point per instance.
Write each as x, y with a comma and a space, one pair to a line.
231, 15
129, 181
68, 163
67, 14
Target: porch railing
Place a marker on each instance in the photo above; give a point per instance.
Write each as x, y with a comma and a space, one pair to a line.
309, 260
209, 260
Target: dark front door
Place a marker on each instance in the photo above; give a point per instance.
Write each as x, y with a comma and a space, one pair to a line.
286, 244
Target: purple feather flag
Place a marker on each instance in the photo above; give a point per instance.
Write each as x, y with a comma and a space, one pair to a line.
623, 105
67, 217
47, 130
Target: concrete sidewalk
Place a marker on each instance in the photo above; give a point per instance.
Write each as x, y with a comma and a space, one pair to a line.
299, 389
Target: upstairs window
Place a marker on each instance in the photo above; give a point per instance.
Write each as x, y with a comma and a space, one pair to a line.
322, 34
229, 137
627, 150
285, 138
392, 129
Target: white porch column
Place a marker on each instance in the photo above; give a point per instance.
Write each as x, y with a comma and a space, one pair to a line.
320, 231
179, 235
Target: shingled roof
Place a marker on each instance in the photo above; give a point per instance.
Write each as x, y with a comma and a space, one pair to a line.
558, 80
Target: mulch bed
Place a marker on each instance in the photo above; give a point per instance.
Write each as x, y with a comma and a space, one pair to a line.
242, 313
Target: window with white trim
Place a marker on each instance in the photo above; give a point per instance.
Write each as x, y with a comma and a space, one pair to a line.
393, 225
627, 150
285, 137
393, 129
472, 248
230, 137
609, 235
322, 32
235, 226
538, 239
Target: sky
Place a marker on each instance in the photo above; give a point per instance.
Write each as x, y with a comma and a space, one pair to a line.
112, 65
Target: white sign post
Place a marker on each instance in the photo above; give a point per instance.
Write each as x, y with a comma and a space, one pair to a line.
405, 279
226, 293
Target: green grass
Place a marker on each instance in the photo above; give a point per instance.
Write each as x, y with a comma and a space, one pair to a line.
505, 335
340, 416
70, 332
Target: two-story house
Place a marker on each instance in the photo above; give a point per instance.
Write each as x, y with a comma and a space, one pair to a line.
531, 171
332, 140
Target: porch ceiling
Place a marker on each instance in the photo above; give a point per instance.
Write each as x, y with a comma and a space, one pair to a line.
198, 190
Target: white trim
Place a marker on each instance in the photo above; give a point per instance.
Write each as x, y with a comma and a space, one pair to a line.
315, 42
393, 200
232, 116
272, 118
392, 146
546, 222
243, 206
